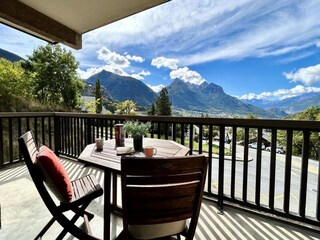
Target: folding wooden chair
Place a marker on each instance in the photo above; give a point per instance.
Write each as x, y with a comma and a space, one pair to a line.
85, 190
160, 194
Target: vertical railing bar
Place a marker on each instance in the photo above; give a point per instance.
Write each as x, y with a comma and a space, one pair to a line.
50, 132
318, 188
97, 124
106, 129
101, 128
77, 137
72, 132
68, 136
166, 131
1, 144
287, 177
210, 160
272, 168
233, 163
10, 141
35, 124
245, 165
221, 167
304, 173
174, 132
28, 123
258, 167
43, 131
159, 130
19, 134
191, 139
200, 138
111, 129
182, 134
152, 129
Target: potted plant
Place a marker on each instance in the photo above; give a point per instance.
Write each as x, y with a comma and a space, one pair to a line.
137, 130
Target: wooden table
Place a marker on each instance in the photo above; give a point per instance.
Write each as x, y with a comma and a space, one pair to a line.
108, 160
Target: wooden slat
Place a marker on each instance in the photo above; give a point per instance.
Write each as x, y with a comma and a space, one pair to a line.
304, 173
272, 175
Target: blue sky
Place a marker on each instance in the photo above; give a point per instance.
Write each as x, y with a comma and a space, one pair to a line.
253, 49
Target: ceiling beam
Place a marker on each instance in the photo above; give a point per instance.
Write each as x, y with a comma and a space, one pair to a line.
27, 19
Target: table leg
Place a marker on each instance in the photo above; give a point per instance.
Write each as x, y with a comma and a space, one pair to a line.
107, 205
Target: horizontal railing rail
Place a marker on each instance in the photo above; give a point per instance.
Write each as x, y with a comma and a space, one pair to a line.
282, 180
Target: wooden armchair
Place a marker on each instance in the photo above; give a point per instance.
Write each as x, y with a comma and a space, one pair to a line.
160, 194
84, 189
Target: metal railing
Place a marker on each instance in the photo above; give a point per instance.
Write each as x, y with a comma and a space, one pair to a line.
282, 184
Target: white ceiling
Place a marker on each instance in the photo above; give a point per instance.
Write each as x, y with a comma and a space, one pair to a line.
71, 18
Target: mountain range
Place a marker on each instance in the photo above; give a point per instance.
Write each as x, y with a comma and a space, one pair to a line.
9, 55
205, 98
195, 99
288, 105
124, 88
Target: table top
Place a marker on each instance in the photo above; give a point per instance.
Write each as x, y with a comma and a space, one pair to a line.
107, 158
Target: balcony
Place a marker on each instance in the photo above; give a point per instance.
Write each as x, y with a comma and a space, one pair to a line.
262, 195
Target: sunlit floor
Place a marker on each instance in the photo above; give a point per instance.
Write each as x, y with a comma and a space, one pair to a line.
23, 214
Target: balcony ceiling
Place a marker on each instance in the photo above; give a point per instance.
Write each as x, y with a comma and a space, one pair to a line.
65, 21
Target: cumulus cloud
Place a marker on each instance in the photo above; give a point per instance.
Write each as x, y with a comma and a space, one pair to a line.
308, 76
281, 93
140, 75
165, 62
115, 63
187, 75
202, 31
135, 58
112, 58
156, 88
318, 44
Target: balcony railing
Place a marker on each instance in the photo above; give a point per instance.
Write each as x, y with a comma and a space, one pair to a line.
286, 185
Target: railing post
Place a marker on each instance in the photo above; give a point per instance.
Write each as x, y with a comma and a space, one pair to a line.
57, 134
221, 169
89, 132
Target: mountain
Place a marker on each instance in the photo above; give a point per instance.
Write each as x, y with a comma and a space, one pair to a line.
9, 56
289, 105
210, 98
124, 88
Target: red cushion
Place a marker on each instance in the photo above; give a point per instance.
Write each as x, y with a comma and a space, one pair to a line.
55, 175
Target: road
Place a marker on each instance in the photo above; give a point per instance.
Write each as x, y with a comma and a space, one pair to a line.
279, 180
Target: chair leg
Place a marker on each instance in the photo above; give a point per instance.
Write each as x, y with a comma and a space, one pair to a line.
78, 213
45, 229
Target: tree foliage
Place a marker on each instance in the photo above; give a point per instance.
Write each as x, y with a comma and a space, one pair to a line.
98, 97
312, 113
15, 87
55, 79
127, 107
163, 104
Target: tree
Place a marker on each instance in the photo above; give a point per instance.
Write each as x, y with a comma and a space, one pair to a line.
152, 110
55, 76
15, 88
127, 107
98, 97
163, 104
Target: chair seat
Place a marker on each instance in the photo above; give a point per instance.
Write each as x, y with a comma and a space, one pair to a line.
86, 186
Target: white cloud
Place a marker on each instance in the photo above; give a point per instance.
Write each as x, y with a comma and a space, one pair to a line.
187, 75
115, 63
165, 62
156, 88
318, 44
112, 58
281, 93
135, 58
202, 31
308, 76
140, 75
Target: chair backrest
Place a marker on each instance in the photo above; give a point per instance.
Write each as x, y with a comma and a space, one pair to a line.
163, 190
